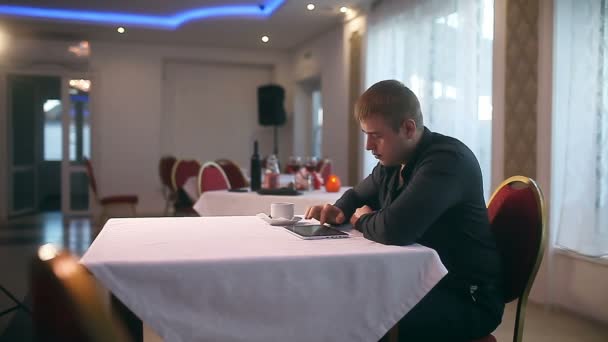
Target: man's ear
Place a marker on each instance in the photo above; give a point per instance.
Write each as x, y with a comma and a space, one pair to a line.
408, 126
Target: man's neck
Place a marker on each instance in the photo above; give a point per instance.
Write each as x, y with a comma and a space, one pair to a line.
417, 138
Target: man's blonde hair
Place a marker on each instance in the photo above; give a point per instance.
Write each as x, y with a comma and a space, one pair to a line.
391, 100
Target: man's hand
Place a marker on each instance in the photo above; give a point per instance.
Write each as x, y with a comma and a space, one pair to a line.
360, 212
325, 213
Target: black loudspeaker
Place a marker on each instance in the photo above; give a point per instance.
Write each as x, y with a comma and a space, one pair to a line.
271, 111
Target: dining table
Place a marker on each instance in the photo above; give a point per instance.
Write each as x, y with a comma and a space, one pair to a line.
238, 278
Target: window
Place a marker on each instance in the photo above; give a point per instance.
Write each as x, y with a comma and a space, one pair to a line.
80, 117
317, 123
443, 52
579, 189
52, 130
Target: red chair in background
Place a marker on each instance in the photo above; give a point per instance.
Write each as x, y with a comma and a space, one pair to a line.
182, 171
234, 173
115, 205
165, 166
212, 177
518, 220
66, 305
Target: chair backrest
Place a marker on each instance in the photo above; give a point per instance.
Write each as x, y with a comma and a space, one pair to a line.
182, 170
165, 166
91, 175
65, 302
234, 173
212, 177
518, 220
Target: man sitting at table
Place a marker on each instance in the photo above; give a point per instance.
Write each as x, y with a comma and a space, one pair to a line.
427, 188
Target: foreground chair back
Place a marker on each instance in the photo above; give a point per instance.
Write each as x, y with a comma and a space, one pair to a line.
65, 302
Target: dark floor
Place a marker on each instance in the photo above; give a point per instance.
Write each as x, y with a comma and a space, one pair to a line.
19, 241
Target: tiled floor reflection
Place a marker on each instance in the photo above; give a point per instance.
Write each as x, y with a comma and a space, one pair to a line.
19, 241
73, 234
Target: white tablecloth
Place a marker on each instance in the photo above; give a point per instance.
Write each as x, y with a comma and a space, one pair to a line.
224, 203
239, 279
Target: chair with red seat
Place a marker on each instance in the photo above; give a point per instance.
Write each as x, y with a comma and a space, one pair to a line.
212, 177
165, 166
66, 304
114, 205
183, 170
518, 220
234, 173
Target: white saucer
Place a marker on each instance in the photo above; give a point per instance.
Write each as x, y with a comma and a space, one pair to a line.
279, 221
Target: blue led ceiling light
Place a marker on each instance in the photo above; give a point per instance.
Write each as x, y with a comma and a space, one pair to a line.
153, 21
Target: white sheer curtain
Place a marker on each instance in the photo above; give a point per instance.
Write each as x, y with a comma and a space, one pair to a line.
442, 50
579, 193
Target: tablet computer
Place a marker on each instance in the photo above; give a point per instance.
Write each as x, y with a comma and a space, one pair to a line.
315, 232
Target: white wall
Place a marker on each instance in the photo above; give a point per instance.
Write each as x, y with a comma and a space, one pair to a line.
327, 58
212, 111
581, 285
127, 102
128, 93
302, 136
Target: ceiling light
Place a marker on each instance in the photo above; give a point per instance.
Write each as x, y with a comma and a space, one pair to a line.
169, 21
82, 85
310, 7
121, 29
265, 39
343, 9
81, 49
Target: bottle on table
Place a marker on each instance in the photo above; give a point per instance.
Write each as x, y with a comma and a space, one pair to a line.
256, 168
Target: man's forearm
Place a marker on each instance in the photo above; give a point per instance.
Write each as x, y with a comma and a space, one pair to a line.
348, 203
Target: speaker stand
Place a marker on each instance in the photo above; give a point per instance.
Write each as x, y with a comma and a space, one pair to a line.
276, 141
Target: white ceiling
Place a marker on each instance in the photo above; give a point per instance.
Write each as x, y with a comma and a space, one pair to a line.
290, 25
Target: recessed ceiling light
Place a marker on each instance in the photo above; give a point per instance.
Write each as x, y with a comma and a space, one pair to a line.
343, 9
265, 39
310, 7
81, 49
121, 29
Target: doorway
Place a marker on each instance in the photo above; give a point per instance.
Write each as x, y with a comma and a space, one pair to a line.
48, 139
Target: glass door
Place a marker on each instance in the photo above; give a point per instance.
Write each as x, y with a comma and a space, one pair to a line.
24, 114
76, 195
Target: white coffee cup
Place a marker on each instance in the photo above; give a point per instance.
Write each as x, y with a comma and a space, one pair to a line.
281, 210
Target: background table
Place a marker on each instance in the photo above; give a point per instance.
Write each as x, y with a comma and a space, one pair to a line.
225, 203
